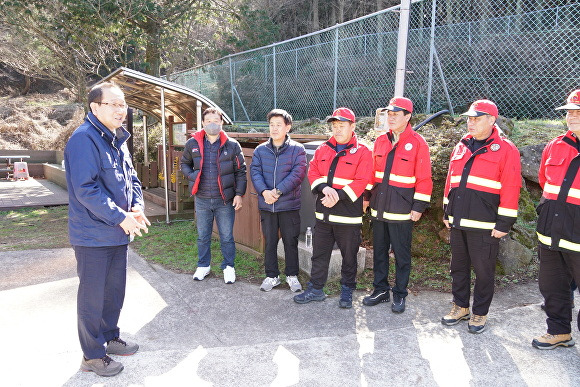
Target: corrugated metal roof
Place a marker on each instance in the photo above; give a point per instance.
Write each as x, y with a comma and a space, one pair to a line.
143, 92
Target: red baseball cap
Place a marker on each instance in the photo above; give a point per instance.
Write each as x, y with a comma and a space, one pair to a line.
573, 101
400, 103
342, 114
481, 107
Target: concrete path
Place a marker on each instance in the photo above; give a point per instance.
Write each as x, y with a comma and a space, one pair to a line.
208, 333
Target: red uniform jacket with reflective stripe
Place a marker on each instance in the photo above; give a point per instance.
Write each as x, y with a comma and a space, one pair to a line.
558, 225
349, 172
402, 179
482, 188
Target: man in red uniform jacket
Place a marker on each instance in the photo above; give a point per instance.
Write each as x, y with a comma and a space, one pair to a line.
481, 205
338, 174
401, 191
558, 232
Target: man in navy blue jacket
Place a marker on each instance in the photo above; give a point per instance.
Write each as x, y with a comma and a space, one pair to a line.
277, 170
105, 212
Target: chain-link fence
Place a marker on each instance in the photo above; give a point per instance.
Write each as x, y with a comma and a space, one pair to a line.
519, 53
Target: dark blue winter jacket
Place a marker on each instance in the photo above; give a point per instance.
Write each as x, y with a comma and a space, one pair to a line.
102, 184
282, 168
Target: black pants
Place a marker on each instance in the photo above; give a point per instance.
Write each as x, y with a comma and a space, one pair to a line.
398, 235
477, 248
348, 239
288, 222
102, 275
557, 269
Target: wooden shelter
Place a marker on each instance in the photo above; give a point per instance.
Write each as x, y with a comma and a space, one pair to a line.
167, 101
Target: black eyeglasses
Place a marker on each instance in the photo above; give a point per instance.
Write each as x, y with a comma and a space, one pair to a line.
115, 105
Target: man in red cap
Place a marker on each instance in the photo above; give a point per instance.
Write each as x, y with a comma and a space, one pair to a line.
401, 191
557, 228
338, 174
481, 205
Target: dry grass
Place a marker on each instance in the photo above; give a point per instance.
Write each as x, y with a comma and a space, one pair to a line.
38, 121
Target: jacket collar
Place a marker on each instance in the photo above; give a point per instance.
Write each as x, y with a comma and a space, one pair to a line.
493, 137
120, 137
284, 144
404, 134
352, 143
200, 135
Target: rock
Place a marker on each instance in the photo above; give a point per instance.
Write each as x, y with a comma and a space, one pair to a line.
505, 124
5, 112
444, 235
531, 156
513, 255
335, 266
62, 113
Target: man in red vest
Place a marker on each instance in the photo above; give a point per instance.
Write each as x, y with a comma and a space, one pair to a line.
481, 205
401, 191
558, 228
339, 173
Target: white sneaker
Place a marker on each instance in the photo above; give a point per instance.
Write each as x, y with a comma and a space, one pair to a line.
201, 273
294, 284
229, 275
269, 283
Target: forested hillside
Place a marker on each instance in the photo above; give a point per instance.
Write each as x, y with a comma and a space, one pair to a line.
75, 42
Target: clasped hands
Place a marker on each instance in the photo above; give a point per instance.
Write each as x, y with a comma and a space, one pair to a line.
270, 196
330, 197
135, 221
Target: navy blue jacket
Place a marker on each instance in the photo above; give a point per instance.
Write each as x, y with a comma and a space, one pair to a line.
231, 164
284, 169
102, 184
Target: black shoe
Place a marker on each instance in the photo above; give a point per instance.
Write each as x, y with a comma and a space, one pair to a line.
398, 305
345, 297
377, 297
310, 294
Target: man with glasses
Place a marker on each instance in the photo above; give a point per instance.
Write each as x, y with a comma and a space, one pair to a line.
105, 213
557, 228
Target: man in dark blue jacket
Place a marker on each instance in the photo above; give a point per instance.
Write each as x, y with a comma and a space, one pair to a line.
277, 170
105, 212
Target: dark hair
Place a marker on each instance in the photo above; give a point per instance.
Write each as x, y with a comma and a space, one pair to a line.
405, 112
280, 113
96, 92
211, 110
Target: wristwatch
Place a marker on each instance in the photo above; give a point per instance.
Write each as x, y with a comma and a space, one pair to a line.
278, 192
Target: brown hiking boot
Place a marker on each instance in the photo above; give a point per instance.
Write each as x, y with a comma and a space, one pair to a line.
549, 341
476, 323
104, 366
456, 315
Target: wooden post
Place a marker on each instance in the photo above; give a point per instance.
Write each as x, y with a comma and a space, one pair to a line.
170, 121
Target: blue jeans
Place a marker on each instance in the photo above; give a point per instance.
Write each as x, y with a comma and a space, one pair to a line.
206, 210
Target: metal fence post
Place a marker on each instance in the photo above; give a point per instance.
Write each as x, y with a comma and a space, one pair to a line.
431, 49
296, 64
335, 68
402, 48
274, 72
232, 90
